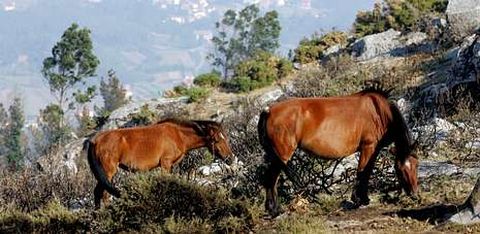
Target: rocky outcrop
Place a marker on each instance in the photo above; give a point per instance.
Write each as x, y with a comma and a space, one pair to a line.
390, 44
65, 160
463, 16
122, 116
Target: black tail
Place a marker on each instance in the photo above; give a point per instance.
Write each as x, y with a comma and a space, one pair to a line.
97, 169
271, 156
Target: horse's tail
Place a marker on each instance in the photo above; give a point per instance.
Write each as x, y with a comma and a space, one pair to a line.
271, 156
97, 168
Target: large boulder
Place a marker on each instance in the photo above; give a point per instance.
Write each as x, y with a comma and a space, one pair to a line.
463, 16
390, 43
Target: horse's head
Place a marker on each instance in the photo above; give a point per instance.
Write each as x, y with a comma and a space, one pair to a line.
218, 142
406, 170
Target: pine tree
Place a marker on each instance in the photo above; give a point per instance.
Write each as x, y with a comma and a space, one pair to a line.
13, 141
113, 93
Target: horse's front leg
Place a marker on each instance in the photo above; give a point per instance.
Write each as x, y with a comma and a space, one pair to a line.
364, 170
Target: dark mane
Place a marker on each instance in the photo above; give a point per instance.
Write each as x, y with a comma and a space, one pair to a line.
200, 126
376, 87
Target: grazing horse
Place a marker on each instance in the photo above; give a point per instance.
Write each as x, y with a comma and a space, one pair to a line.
143, 148
333, 128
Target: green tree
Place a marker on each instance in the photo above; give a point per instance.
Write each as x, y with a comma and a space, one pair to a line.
52, 133
113, 93
241, 34
13, 141
3, 129
71, 63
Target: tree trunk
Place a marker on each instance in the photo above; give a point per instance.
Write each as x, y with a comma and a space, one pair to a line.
470, 211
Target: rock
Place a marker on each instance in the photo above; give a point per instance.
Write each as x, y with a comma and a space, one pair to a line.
390, 44
427, 169
463, 16
121, 116
270, 96
376, 45
438, 126
466, 66
65, 160
218, 167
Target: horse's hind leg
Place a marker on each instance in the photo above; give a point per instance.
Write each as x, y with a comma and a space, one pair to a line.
364, 170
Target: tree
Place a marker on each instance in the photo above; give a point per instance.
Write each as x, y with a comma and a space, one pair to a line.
71, 63
13, 140
52, 133
241, 35
3, 129
113, 93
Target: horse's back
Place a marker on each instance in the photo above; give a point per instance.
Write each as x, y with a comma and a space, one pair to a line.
329, 126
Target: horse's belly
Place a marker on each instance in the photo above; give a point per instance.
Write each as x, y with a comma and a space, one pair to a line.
331, 147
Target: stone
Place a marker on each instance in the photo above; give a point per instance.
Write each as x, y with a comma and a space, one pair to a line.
390, 44
463, 16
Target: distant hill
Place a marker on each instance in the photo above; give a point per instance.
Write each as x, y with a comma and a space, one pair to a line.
152, 44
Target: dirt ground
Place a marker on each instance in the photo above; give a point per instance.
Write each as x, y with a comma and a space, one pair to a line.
441, 197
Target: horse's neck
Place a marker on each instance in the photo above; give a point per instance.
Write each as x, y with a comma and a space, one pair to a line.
191, 139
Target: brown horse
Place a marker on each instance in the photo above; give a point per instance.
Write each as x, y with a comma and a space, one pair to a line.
332, 128
143, 148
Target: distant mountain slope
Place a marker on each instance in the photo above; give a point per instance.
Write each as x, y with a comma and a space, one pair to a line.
152, 44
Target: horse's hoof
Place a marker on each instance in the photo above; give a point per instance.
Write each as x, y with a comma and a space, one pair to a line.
348, 205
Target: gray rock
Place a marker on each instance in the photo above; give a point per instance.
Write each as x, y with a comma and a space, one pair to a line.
376, 45
463, 16
121, 116
65, 160
427, 169
390, 44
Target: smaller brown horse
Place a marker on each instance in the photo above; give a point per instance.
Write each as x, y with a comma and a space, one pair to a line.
332, 128
143, 148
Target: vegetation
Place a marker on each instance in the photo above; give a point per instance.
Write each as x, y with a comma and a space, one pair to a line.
312, 50
211, 79
194, 93
71, 63
240, 35
402, 15
260, 71
13, 139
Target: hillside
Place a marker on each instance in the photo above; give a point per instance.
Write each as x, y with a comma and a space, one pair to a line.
435, 83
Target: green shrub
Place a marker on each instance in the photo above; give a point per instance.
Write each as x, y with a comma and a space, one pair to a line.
260, 71
211, 79
165, 200
311, 50
143, 117
52, 218
194, 93
396, 14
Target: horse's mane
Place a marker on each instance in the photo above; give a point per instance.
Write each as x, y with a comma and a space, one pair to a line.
375, 86
198, 125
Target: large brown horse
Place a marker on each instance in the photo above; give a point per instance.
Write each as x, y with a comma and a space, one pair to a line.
332, 128
143, 148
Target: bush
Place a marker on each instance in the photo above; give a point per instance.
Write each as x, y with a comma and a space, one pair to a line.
153, 198
193, 93
53, 218
260, 71
211, 79
311, 50
399, 15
